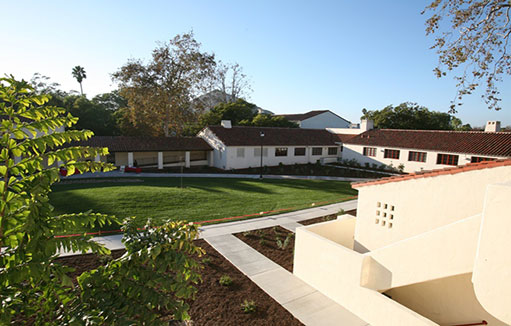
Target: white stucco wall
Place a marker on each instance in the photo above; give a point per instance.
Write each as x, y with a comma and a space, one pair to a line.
421, 204
251, 160
492, 269
356, 152
323, 121
226, 157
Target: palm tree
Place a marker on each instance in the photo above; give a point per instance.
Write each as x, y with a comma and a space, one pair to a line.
79, 74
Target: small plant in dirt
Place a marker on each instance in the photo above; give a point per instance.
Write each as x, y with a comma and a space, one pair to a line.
225, 280
262, 242
206, 261
247, 233
275, 230
248, 307
283, 244
341, 212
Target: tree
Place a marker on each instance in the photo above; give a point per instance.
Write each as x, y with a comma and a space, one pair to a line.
158, 269
79, 75
232, 82
408, 116
476, 38
159, 93
267, 120
93, 115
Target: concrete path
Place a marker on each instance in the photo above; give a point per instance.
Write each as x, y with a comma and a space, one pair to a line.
273, 220
286, 220
304, 302
117, 174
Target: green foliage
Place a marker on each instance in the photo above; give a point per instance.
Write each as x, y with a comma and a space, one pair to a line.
225, 280
267, 120
94, 115
248, 307
283, 244
409, 116
158, 269
235, 111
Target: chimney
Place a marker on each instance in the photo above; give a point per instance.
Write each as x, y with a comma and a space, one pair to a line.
366, 125
492, 126
226, 124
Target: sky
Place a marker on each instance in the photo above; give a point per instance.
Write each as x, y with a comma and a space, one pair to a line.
342, 55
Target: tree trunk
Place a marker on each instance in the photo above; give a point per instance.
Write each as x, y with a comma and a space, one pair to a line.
81, 89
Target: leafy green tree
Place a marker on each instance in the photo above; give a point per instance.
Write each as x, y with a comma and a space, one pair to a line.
160, 93
408, 116
456, 124
153, 278
92, 115
233, 111
79, 74
474, 42
267, 120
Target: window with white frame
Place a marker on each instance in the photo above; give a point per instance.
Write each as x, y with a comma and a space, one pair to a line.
240, 152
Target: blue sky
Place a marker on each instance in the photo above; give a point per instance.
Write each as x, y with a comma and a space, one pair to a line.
300, 55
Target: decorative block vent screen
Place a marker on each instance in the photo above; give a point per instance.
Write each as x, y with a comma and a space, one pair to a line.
384, 215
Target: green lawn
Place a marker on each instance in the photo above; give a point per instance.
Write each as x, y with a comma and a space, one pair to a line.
200, 199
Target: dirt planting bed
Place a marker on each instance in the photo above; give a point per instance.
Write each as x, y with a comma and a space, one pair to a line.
215, 304
266, 241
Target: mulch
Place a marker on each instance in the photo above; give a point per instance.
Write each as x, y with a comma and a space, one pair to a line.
214, 304
265, 241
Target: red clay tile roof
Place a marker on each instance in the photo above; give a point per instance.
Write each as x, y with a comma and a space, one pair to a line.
146, 144
302, 116
250, 136
344, 137
434, 173
469, 142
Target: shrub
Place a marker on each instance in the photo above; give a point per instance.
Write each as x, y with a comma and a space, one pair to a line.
283, 244
206, 261
248, 307
366, 164
32, 283
225, 280
401, 167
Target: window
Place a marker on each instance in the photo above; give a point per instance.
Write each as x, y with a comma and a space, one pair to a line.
391, 153
447, 159
317, 151
476, 159
299, 151
281, 151
240, 152
369, 151
417, 156
332, 150
257, 152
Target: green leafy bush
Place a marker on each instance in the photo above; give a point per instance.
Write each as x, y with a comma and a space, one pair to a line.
158, 268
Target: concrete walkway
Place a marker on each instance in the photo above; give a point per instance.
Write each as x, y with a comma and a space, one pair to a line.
117, 174
301, 300
286, 220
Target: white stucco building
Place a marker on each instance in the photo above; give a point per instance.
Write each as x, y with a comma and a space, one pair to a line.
320, 119
419, 150
240, 147
428, 248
